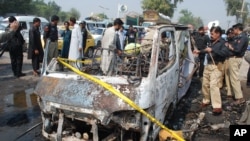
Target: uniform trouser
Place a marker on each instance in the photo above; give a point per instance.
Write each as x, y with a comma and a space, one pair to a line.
35, 62
234, 65
52, 51
227, 80
221, 67
16, 58
210, 88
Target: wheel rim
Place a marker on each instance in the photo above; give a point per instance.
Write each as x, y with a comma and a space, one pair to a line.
90, 52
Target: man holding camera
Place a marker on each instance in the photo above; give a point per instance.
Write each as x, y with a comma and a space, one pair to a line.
15, 45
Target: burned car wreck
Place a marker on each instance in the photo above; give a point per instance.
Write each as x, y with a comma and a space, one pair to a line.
154, 76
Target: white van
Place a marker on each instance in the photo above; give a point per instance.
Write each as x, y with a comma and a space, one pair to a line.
27, 22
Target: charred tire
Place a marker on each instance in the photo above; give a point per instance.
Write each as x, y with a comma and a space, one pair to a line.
90, 52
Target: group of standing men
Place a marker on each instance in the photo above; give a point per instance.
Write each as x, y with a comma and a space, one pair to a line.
74, 41
221, 59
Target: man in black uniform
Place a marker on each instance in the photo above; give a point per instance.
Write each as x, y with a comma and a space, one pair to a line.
6, 36
84, 35
201, 40
217, 53
238, 48
15, 46
50, 32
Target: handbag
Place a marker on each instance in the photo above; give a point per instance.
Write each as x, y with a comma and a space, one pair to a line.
247, 56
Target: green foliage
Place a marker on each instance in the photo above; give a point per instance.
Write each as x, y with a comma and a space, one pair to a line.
162, 6
188, 18
74, 13
15, 6
233, 8
37, 8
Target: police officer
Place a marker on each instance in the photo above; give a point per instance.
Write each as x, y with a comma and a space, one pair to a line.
15, 45
238, 47
217, 53
50, 32
84, 35
229, 40
201, 41
6, 36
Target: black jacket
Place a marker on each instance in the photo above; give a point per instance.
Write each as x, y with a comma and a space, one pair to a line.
84, 37
240, 45
17, 41
219, 52
35, 43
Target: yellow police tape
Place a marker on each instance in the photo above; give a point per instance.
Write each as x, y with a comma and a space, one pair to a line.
123, 97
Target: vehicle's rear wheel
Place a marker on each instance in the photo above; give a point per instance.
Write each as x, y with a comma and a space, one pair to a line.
90, 52
98, 44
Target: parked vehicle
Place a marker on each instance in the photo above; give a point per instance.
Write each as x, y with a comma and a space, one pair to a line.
154, 79
89, 49
97, 34
92, 25
26, 22
2, 28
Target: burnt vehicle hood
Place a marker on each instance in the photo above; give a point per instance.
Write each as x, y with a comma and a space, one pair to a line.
66, 89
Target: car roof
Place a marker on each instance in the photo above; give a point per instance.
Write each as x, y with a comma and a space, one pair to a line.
27, 18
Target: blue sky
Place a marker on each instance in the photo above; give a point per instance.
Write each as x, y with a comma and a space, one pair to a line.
208, 10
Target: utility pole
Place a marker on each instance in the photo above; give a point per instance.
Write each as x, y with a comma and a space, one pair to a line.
240, 20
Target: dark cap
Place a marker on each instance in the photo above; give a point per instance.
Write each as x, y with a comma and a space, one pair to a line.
12, 19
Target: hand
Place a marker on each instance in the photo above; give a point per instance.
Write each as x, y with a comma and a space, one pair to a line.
226, 44
208, 49
230, 47
36, 52
119, 52
14, 25
80, 49
196, 51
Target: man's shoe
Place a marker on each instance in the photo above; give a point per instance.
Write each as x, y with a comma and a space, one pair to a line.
217, 111
203, 105
238, 102
21, 75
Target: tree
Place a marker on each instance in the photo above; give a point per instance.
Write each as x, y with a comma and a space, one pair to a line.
74, 13
234, 7
188, 18
64, 16
15, 7
162, 6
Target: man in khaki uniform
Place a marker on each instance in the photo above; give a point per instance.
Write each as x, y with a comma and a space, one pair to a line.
217, 53
230, 40
238, 47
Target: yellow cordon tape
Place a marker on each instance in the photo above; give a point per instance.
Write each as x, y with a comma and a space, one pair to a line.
121, 96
